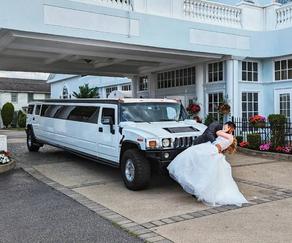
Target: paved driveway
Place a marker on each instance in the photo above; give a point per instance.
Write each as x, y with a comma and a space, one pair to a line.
164, 212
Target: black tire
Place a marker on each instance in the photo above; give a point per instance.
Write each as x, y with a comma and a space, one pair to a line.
142, 170
30, 142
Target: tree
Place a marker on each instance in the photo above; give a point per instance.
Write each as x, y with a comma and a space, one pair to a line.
86, 92
7, 113
21, 119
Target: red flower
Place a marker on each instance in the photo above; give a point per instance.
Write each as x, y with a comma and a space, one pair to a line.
244, 144
279, 148
193, 108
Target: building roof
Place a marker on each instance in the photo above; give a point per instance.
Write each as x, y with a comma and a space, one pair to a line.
24, 85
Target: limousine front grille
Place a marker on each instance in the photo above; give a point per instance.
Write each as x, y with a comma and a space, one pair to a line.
184, 142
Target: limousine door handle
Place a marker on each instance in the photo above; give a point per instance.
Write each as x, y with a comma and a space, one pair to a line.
100, 129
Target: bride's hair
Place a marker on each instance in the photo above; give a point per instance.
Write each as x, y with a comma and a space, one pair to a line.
232, 148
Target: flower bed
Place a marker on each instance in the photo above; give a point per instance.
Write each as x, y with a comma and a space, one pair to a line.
6, 162
267, 147
5, 157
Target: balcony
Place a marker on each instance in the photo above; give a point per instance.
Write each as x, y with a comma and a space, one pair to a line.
284, 16
244, 15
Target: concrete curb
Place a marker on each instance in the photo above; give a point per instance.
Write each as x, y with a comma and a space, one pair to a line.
6, 167
262, 154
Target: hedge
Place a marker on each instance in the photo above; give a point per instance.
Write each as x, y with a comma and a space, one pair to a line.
254, 140
7, 114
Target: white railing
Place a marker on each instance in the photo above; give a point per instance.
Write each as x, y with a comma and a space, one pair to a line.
284, 16
120, 4
214, 13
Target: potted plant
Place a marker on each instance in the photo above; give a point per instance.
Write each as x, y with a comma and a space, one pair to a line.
257, 121
193, 109
224, 108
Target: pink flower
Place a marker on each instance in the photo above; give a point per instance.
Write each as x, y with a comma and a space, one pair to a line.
265, 147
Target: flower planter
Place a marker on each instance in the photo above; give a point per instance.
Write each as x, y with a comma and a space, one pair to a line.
8, 166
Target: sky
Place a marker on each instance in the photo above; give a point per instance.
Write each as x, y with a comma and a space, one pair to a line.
24, 75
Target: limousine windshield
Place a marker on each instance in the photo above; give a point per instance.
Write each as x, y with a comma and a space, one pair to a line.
152, 112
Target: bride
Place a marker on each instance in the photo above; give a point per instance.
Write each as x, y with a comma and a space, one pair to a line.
203, 171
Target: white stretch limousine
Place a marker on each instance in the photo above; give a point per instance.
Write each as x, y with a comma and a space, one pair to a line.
133, 134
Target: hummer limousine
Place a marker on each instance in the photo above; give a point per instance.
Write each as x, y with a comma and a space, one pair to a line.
136, 135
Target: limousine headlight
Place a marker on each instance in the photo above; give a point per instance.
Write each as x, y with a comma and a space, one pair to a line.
166, 142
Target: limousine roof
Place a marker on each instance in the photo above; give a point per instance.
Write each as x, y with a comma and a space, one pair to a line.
107, 101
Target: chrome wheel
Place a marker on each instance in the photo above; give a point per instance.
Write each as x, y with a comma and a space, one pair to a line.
130, 170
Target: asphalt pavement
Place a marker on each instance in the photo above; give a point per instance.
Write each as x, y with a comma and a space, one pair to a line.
31, 211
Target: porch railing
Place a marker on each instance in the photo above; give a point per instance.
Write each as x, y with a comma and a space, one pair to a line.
121, 4
284, 15
221, 14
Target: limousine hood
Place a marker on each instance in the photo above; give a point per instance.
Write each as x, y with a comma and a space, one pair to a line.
165, 129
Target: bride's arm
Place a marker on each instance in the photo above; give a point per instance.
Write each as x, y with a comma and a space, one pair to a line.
223, 134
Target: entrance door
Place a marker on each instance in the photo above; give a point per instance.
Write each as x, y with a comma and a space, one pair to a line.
283, 99
107, 139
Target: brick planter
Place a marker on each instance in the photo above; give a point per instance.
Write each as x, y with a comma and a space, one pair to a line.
269, 155
7, 167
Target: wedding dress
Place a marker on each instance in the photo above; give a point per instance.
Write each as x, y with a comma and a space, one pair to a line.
204, 172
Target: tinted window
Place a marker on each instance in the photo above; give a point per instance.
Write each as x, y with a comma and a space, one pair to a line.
109, 112
83, 114
37, 109
30, 109
44, 108
51, 111
64, 112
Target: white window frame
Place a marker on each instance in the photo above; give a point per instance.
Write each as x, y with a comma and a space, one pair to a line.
223, 73
127, 86
277, 94
241, 70
207, 98
143, 89
16, 98
174, 81
274, 69
110, 89
259, 100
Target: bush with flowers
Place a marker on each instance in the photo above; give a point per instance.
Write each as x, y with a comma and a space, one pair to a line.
4, 157
193, 109
265, 147
257, 121
244, 144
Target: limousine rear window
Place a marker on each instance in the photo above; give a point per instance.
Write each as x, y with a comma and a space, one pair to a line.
74, 113
84, 114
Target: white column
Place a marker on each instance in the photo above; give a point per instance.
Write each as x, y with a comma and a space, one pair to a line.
229, 84
200, 88
152, 79
135, 80
236, 94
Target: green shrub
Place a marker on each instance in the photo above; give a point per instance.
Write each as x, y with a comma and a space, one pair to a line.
239, 139
208, 120
277, 124
21, 119
7, 114
254, 140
